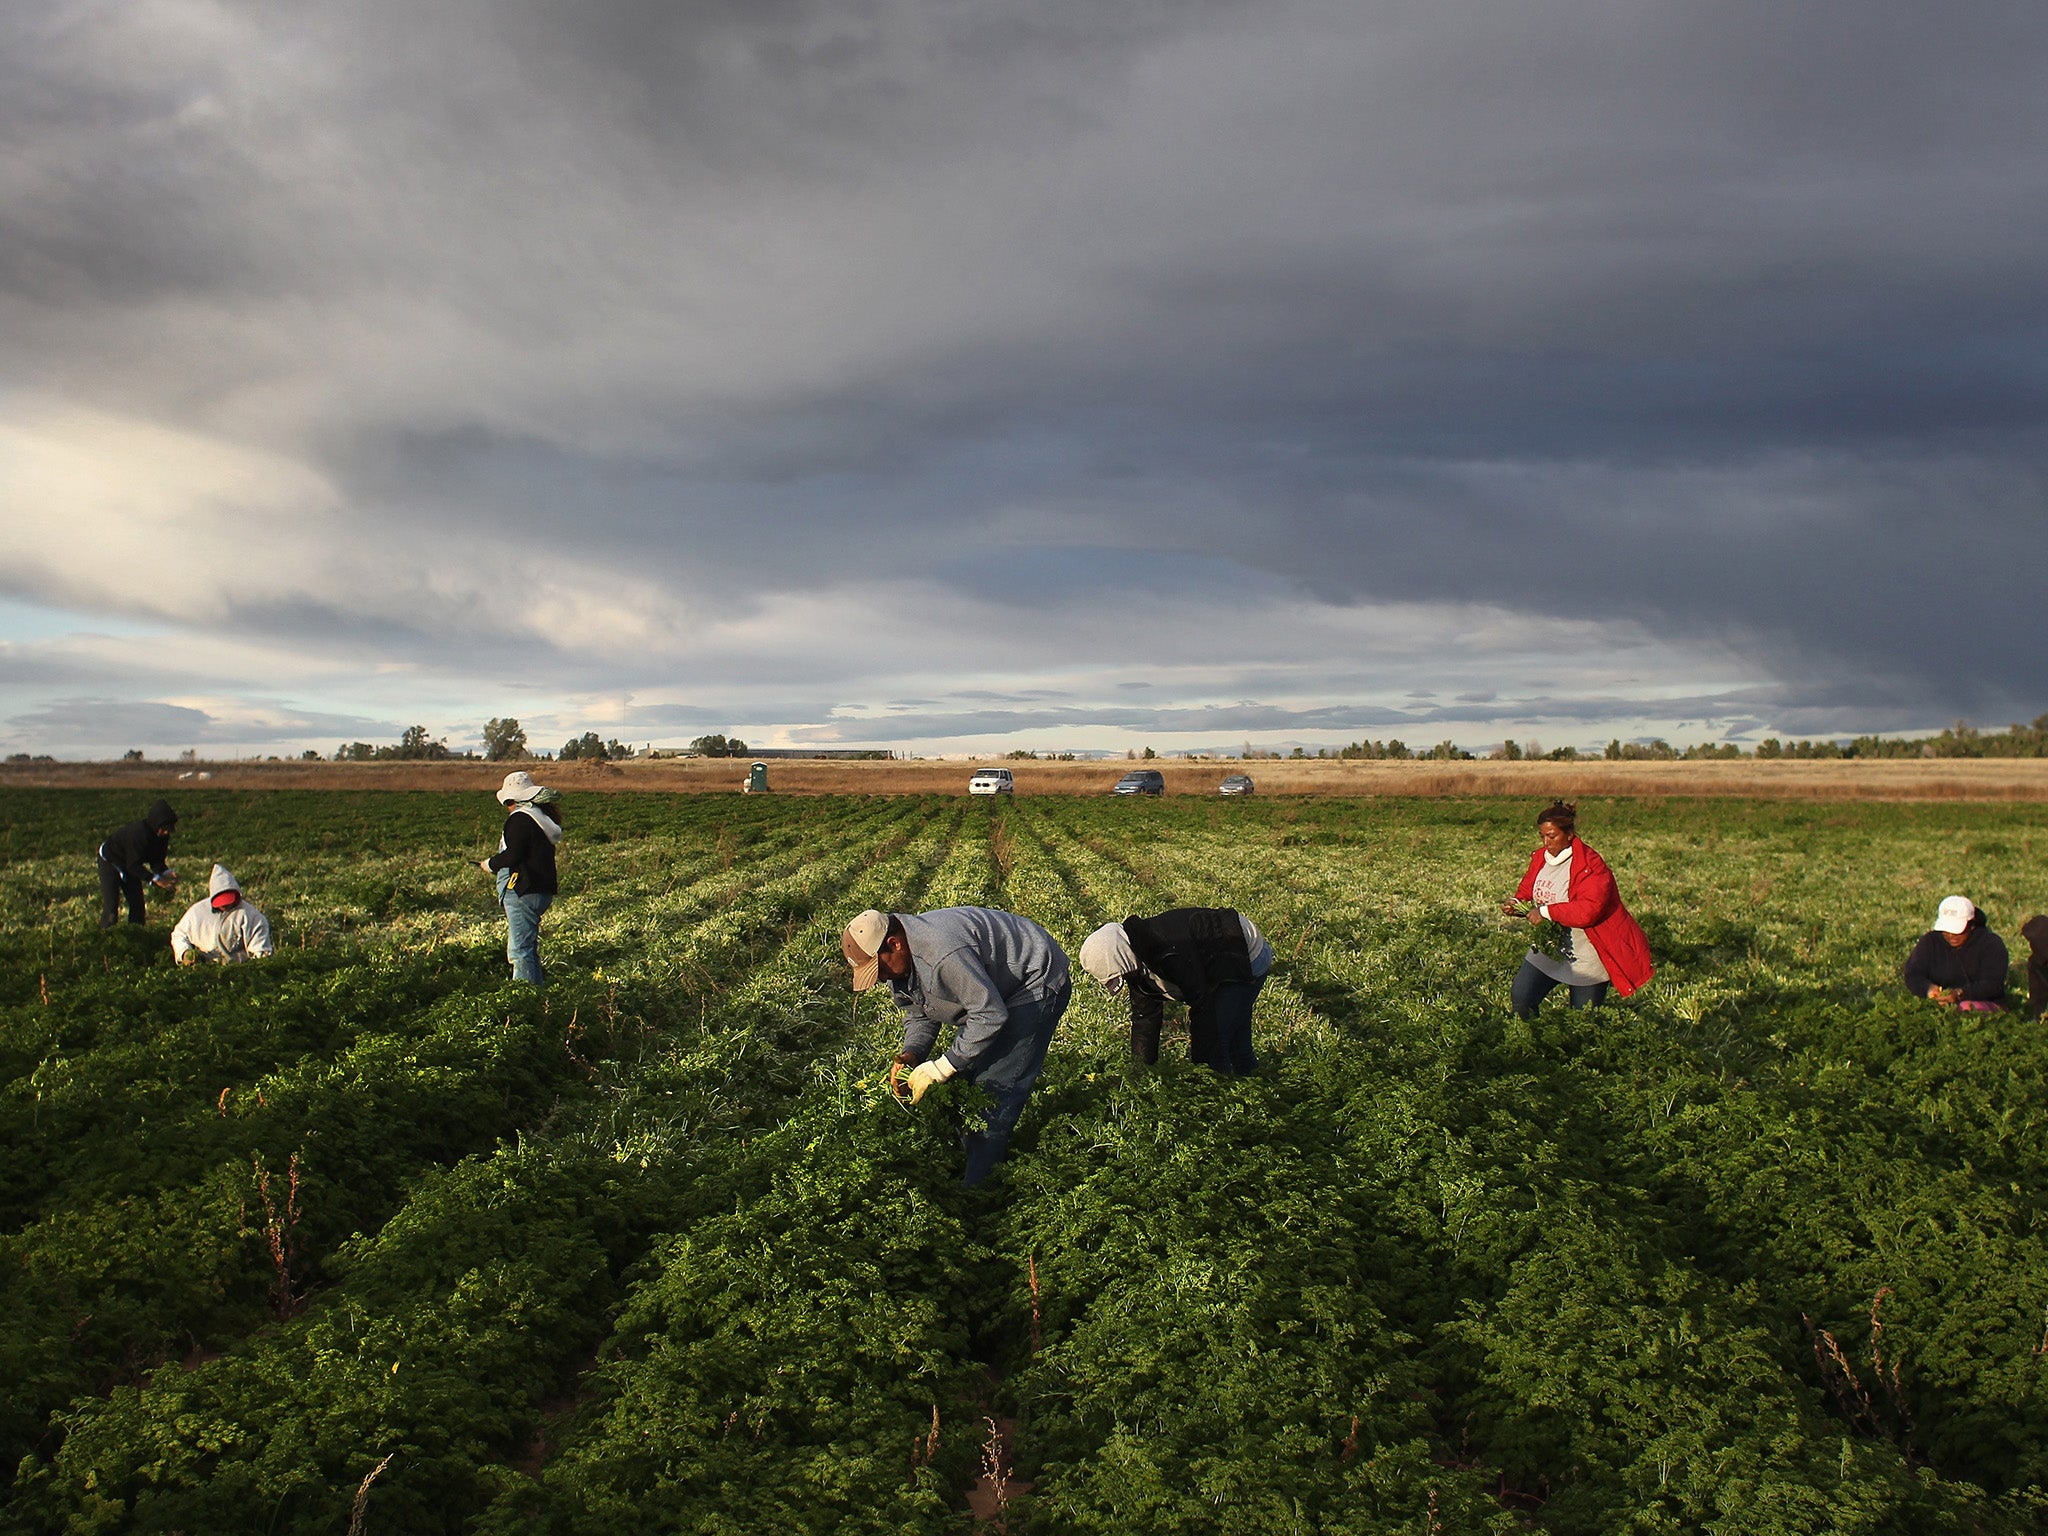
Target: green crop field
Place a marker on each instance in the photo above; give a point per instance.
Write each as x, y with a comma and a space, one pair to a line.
364, 1238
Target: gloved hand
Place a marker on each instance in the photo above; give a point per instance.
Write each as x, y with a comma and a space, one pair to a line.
921, 1078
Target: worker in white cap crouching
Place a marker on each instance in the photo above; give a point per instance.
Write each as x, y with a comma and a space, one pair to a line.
999, 980
1959, 961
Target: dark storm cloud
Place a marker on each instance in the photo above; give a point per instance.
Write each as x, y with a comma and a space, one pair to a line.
1725, 320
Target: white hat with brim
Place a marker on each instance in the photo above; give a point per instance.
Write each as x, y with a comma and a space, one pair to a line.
518, 788
861, 944
1954, 914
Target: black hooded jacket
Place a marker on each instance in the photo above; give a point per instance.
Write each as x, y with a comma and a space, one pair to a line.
142, 847
1976, 966
529, 852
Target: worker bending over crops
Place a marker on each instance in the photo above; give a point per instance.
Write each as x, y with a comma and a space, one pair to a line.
1214, 959
1959, 961
225, 926
139, 852
998, 979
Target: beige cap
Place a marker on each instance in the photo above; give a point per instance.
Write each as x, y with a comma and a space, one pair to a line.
861, 942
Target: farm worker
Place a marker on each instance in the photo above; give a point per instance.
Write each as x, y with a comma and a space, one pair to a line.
1959, 961
525, 869
2035, 931
999, 979
1568, 883
138, 852
1214, 959
225, 926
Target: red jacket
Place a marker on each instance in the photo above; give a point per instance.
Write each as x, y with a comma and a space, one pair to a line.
1594, 904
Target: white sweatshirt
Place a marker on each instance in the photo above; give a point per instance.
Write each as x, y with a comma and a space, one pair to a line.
239, 933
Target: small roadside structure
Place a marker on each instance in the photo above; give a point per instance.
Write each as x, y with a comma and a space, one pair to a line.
757, 780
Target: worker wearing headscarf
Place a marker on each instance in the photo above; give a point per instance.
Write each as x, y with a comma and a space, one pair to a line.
1214, 959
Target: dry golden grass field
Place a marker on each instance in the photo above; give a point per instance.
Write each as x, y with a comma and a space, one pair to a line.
2015, 779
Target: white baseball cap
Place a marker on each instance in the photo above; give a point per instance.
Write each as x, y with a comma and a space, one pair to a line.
1954, 914
861, 942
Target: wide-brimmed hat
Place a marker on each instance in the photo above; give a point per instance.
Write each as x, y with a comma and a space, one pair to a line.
518, 788
861, 943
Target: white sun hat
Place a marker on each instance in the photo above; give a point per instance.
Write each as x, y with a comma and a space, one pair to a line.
518, 788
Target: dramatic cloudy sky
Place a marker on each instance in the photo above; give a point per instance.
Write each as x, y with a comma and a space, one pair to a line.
1051, 373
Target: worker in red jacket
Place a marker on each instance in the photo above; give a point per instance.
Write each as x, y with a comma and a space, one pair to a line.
1600, 945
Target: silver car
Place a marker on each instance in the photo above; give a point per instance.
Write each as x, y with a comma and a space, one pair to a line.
1236, 784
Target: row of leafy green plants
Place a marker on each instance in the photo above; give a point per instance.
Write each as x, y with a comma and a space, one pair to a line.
1754, 1253
1745, 1255
511, 1154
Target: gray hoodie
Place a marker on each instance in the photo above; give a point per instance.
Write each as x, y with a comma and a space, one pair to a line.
970, 967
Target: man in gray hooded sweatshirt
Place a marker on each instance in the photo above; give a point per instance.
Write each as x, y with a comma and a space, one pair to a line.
999, 979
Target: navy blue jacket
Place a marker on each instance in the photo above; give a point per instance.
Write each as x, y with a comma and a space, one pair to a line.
1977, 965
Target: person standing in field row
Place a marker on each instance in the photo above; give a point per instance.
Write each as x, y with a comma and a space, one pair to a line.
136, 854
525, 869
1959, 961
225, 926
999, 980
1569, 884
1214, 959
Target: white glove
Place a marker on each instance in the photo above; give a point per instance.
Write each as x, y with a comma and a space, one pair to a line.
923, 1076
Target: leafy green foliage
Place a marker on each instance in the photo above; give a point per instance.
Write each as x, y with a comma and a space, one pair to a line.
1759, 1250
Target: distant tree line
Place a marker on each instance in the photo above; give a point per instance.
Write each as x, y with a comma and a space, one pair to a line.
413, 746
1959, 740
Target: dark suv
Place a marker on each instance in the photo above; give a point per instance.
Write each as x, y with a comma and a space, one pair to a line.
1141, 781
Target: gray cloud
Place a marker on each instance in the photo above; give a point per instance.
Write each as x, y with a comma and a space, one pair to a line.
1057, 305
71, 723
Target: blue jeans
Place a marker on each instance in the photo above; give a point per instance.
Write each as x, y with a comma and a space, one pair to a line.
1220, 1032
522, 930
1010, 1074
1532, 986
